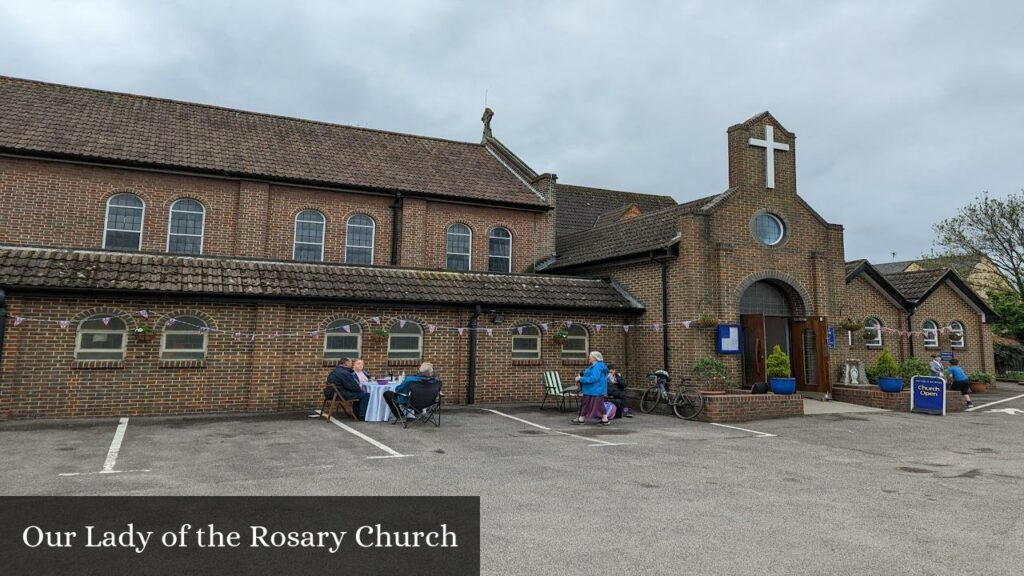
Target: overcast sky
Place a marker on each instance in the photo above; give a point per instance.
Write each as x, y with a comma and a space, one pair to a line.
903, 110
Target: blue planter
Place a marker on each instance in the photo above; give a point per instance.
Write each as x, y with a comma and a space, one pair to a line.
890, 384
783, 385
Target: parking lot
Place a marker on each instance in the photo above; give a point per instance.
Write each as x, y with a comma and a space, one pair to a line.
863, 493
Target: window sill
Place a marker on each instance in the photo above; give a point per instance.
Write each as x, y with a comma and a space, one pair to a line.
530, 362
179, 364
874, 347
574, 362
97, 365
415, 362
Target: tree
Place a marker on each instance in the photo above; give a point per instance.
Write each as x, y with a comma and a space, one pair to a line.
1010, 308
988, 227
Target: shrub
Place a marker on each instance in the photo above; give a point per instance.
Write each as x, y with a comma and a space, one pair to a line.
886, 366
778, 363
711, 371
872, 373
980, 377
914, 366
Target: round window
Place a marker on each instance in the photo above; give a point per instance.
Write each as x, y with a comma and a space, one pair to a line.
768, 229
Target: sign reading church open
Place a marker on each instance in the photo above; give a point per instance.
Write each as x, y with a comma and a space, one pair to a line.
163, 257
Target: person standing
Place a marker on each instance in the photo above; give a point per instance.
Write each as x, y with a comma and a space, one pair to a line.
938, 370
959, 381
594, 384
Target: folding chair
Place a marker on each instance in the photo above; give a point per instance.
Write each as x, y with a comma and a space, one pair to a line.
331, 404
423, 401
553, 387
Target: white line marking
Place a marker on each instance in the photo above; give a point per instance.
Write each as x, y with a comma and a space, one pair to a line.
994, 403
103, 472
115, 446
391, 453
759, 434
596, 441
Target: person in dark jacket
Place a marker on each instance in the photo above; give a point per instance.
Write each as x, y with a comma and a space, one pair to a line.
617, 393
398, 399
344, 379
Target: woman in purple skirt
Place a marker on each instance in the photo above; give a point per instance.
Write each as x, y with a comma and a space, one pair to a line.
594, 384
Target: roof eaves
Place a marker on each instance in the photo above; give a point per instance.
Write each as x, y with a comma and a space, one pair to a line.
515, 172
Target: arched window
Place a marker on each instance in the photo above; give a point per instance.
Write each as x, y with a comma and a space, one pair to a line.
359, 239
957, 337
576, 345
873, 332
123, 228
185, 228
309, 236
185, 339
343, 339
405, 341
526, 342
931, 333
499, 251
101, 337
460, 244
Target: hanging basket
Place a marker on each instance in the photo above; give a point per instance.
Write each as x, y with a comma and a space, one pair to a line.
705, 321
851, 324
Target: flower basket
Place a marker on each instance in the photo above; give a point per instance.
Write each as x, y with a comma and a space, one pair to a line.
851, 324
560, 335
143, 333
870, 334
379, 334
705, 321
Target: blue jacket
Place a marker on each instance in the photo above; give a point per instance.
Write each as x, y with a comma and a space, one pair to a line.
594, 381
403, 388
958, 374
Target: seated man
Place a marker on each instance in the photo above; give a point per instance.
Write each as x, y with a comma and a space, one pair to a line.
398, 400
344, 379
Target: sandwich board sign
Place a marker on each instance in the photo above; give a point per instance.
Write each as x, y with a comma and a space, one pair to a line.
928, 395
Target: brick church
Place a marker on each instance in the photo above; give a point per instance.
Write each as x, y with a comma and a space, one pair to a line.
165, 257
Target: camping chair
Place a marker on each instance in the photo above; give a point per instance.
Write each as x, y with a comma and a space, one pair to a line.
331, 404
423, 403
553, 387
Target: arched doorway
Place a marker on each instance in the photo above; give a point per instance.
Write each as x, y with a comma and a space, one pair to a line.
774, 313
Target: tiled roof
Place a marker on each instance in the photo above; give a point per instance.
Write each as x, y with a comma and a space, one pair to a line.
49, 268
53, 120
914, 285
853, 265
644, 233
613, 216
893, 267
579, 207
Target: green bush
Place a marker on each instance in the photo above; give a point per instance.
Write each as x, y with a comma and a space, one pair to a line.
778, 363
872, 373
707, 368
1017, 376
914, 366
980, 377
886, 366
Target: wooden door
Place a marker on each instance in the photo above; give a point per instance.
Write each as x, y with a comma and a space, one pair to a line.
809, 346
754, 352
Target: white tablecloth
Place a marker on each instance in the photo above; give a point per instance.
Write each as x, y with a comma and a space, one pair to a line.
377, 409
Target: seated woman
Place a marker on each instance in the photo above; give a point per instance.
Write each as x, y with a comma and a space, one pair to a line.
361, 375
399, 399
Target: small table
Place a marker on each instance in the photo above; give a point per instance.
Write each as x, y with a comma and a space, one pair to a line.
376, 408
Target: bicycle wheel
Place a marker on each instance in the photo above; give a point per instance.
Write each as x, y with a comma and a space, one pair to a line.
650, 399
688, 405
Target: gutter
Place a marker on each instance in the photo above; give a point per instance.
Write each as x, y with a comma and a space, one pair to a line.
474, 322
396, 228
664, 311
3, 322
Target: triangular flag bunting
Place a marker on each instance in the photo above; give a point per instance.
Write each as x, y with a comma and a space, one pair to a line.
106, 321
376, 320
686, 324
597, 327
401, 323
431, 328
490, 331
170, 322
626, 327
204, 329
346, 328
143, 313
64, 323
519, 329
461, 330
568, 323
18, 320
544, 326
313, 334
238, 335
657, 327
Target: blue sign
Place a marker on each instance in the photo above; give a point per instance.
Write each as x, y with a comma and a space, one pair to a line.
831, 338
946, 356
728, 341
928, 395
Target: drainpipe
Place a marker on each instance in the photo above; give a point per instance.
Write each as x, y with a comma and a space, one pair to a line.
910, 329
474, 321
3, 321
664, 311
396, 228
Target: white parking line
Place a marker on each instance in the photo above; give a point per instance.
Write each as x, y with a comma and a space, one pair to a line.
994, 403
758, 434
596, 441
115, 447
391, 453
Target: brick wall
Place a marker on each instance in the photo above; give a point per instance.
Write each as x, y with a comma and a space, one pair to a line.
895, 401
39, 376
865, 300
243, 218
747, 407
944, 306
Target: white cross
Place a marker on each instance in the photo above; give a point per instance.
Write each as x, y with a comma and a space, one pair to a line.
770, 146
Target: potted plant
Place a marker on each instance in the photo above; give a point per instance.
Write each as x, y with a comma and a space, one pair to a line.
870, 333
379, 334
143, 332
956, 338
712, 375
888, 372
914, 366
560, 335
705, 321
851, 324
979, 381
779, 372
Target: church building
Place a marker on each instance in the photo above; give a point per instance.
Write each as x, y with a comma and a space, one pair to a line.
166, 257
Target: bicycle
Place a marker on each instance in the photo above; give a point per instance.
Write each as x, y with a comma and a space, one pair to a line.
687, 403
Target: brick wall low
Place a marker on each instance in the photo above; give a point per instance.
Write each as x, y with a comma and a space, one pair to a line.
895, 401
748, 407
